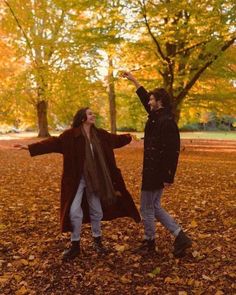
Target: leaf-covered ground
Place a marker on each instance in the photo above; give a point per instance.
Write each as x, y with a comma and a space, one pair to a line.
202, 200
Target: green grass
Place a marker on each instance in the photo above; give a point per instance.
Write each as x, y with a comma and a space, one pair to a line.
217, 135
220, 135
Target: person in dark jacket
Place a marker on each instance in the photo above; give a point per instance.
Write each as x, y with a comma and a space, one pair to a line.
92, 187
161, 152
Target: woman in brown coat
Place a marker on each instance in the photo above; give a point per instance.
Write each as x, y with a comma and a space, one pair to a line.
92, 187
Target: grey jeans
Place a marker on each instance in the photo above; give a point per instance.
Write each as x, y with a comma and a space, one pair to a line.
76, 213
151, 211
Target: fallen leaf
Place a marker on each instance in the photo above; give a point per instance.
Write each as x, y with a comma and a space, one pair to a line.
21, 291
125, 280
206, 278
193, 224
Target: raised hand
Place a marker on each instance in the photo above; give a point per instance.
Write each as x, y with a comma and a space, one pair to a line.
130, 77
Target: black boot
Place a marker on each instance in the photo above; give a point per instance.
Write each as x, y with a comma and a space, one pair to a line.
98, 246
73, 251
181, 243
147, 246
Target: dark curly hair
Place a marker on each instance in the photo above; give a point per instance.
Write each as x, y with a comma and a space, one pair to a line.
79, 117
162, 95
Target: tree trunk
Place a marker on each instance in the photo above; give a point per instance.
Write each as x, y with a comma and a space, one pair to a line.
176, 111
112, 97
42, 107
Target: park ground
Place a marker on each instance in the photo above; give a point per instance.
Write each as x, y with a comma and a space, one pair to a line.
202, 200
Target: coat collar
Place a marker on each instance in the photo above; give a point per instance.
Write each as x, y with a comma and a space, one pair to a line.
77, 132
160, 112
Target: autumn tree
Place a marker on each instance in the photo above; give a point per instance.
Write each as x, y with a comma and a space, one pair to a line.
43, 33
106, 29
10, 69
186, 38
214, 91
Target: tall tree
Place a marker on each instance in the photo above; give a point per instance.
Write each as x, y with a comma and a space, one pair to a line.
43, 34
215, 90
106, 27
187, 37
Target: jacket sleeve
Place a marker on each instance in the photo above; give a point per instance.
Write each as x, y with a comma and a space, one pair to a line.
49, 145
117, 141
170, 148
144, 97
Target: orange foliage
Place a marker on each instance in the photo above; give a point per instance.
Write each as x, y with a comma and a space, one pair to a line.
202, 200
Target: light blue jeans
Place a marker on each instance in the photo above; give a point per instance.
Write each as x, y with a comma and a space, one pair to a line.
151, 211
76, 213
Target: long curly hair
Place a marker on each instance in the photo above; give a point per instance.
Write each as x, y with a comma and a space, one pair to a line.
79, 117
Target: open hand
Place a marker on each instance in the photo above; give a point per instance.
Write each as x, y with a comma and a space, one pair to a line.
20, 146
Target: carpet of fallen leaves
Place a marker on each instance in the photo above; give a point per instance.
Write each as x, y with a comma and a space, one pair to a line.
202, 201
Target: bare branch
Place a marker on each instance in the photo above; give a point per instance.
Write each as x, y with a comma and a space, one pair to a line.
22, 30
151, 34
190, 47
159, 50
190, 84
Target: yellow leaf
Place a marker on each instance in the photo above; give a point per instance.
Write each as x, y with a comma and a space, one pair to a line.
193, 223
4, 279
24, 262
21, 291
156, 271
120, 248
182, 293
203, 236
2, 226
195, 254
17, 277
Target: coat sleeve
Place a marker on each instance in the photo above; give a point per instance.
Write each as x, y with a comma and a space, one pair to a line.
170, 148
144, 97
117, 141
49, 145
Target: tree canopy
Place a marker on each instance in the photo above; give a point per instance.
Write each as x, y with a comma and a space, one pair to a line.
59, 56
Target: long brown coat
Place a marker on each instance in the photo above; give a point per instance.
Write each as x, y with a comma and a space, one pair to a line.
71, 144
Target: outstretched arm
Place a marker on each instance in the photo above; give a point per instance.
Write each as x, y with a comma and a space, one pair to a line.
49, 145
21, 146
116, 141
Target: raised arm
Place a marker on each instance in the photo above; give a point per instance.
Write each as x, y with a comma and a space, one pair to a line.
131, 77
140, 90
